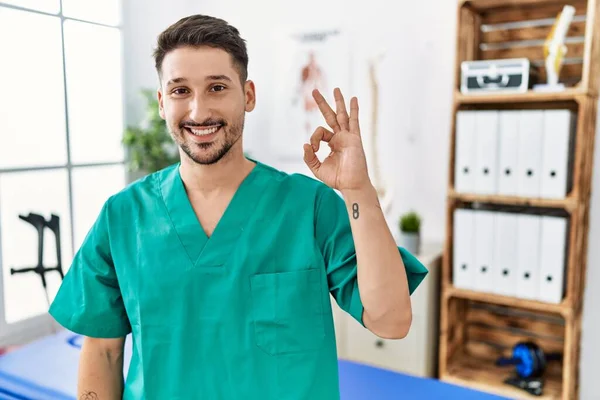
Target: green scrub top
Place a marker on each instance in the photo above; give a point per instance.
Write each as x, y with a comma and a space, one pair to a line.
242, 314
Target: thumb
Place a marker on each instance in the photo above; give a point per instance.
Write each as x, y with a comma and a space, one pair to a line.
311, 159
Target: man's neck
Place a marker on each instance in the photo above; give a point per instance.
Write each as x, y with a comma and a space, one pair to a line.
225, 175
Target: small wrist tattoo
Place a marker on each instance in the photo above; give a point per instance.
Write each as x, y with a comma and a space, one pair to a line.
355, 212
89, 396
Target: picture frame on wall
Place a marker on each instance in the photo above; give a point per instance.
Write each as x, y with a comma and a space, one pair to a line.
307, 60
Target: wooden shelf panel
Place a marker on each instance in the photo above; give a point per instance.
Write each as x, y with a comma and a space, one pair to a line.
564, 309
571, 94
530, 9
482, 374
569, 204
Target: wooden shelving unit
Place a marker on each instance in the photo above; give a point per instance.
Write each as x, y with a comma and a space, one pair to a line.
563, 308
476, 327
466, 370
572, 94
569, 204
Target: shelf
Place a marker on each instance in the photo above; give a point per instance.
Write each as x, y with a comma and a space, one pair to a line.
569, 204
529, 97
487, 5
560, 309
477, 327
481, 374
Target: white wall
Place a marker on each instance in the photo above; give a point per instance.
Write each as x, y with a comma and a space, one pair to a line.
416, 94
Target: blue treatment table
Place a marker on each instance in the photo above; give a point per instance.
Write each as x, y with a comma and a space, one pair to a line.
47, 370
362, 382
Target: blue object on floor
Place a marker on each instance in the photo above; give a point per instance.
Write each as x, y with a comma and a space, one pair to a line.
47, 370
362, 382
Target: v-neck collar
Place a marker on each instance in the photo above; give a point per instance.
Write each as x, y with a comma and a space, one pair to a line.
202, 250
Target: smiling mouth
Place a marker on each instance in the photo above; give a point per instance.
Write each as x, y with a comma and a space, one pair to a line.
204, 131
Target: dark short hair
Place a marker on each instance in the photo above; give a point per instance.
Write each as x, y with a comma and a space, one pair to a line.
203, 30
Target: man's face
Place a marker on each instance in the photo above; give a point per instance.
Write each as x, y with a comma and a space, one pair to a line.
203, 102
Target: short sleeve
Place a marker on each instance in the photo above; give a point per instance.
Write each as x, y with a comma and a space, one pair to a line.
334, 237
89, 300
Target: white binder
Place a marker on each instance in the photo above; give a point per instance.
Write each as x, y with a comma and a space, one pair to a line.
486, 152
463, 249
528, 256
508, 132
558, 126
464, 159
484, 251
552, 259
505, 254
531, 125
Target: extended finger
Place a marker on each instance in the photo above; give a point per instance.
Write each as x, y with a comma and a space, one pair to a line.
326, 110
354, 125
342, 114
320, 134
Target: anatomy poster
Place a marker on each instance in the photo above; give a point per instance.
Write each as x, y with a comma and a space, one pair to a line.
306, 61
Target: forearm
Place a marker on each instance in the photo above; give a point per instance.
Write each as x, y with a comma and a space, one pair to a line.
100, 372
381, 274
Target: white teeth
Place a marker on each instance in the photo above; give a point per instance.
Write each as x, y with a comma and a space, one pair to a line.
201, 132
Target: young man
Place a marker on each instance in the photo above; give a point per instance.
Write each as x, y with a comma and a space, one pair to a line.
220, 266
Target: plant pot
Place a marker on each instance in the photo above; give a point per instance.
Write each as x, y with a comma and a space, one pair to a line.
411, 241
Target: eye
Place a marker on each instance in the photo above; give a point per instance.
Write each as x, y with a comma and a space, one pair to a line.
179, 91
217, 88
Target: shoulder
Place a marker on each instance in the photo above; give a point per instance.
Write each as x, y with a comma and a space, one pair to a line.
297, 184
137, 193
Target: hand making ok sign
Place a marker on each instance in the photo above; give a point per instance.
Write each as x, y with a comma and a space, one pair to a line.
345, 168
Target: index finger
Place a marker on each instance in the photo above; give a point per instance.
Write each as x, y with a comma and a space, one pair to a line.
326, 110
342, 115
354, 125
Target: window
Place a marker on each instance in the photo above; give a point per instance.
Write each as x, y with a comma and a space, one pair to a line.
101, 11
48, 6
32, 107
43, 192
93, 61
61, 123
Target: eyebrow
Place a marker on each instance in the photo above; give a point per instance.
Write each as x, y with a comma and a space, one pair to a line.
208, 78
218, 78
176, 80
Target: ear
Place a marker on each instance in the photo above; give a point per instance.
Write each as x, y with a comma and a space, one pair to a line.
250, 93
161, 108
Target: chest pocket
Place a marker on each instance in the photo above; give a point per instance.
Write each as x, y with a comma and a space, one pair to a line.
287, 309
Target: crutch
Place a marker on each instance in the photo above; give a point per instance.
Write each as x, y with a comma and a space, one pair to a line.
39, 223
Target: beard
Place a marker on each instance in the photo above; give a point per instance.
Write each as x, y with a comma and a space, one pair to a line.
211, 152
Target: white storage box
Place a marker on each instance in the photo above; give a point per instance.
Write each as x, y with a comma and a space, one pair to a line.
514, 75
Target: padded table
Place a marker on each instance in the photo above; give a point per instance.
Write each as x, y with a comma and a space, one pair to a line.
46, 369
362, 382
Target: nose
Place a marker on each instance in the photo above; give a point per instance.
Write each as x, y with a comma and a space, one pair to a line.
199, 109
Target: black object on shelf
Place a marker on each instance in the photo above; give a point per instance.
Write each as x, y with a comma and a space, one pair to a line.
40, 223
533, 386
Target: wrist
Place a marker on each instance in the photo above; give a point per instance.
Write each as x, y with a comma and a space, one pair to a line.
364, 193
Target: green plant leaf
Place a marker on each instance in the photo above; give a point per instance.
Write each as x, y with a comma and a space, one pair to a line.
410, 222
150, 145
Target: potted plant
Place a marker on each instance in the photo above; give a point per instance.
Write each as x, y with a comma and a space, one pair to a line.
410, 232
150, 145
